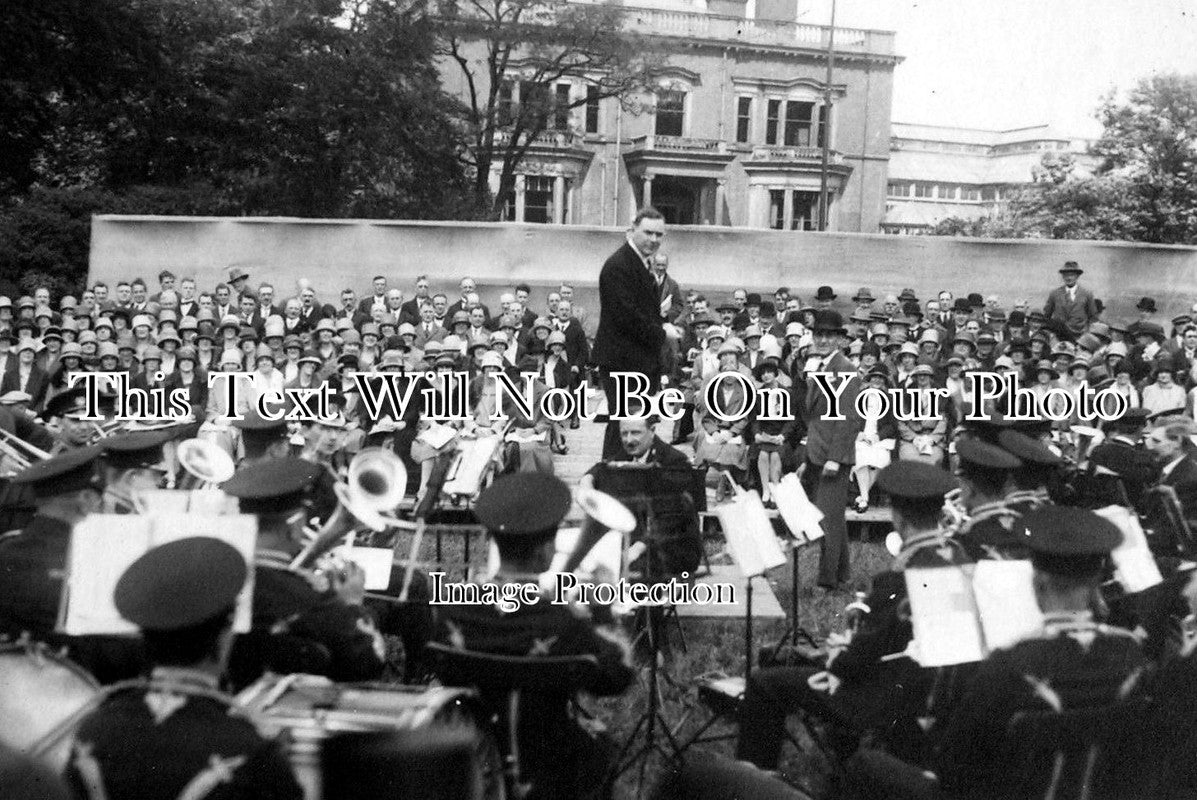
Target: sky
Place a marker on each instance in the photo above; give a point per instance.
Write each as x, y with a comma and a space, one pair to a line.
1003, 64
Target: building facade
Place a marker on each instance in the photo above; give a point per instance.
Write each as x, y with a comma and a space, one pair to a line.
732, 134
939, 172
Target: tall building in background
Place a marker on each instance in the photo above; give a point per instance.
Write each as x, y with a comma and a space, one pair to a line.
937, 172
732, 134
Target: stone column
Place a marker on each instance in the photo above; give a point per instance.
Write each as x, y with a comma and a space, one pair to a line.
720, 197
648, 189
559, 200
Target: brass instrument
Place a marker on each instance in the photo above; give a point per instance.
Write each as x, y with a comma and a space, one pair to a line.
603, 513
204, 463
955, 515
18, 452
105, 429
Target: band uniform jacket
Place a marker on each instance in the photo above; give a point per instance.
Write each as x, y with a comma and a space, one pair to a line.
990, 533
555, 751
832, 440
1076, 313
630, 335
166, 740
289, 602
877, 692
1074, 663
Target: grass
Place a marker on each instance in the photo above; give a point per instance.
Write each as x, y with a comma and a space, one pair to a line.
716, 648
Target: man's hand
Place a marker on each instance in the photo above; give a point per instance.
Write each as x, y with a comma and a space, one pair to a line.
831, 469
350, 584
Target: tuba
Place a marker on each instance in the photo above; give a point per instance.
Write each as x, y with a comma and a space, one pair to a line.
375, 484
204, 464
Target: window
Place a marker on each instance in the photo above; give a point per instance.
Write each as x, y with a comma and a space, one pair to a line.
898, 189
671, 112
798, 123
924, 189
744, 119
772, 121
777, 208
505, 111
971, 193
561, 108
535, 102
822, 126
538, 198
805, 214
988, 194
946, 192
592, 109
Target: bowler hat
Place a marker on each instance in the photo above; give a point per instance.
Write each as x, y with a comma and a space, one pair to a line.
828, 321
1146, 304
825, 293
1070, 267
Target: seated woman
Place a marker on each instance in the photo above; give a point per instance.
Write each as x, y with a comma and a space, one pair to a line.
527, 448
874, 444
433, 439
767, 433
719, 442
925, 437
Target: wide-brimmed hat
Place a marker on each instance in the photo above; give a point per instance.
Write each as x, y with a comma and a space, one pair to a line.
1070, 267
863, 295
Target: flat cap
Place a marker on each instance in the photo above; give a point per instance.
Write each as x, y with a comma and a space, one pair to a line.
524, 503
62, 474
915, 480
1067, 540
1028, 450
983, 454
180, 584
278, 484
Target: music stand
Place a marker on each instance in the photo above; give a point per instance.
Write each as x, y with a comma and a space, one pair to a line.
640, 486
803, 519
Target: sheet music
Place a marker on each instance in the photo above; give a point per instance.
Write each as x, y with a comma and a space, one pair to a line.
749, 533
103, 546
476, 456
802, 517
944, 616
1005, 596
1134, 565
436, 435
376, 562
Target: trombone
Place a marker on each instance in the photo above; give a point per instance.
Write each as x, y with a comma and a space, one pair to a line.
19, 452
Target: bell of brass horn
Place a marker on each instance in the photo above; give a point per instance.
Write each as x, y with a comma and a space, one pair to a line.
377, 479
603, 513
205, 464
1087, 437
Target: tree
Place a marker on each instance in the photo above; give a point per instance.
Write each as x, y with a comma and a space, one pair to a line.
504, 46
1152, 141
1143, 188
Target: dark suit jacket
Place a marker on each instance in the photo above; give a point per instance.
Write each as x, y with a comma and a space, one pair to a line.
629, 336
410, 312
310, 316
453, 309
828, 440
1076, 314
1183, 478
365, 304
36, 387
669, 288
577, 349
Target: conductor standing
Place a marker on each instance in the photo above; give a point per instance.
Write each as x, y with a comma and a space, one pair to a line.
630, 336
